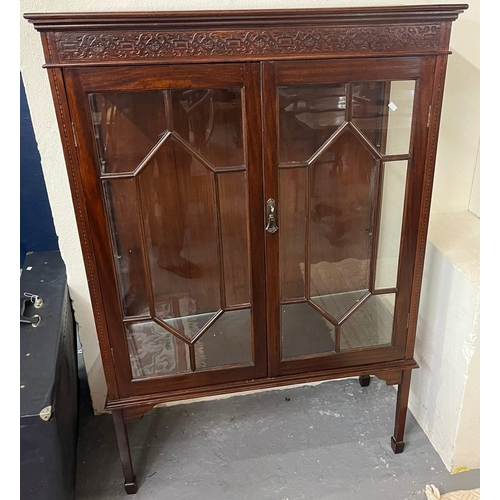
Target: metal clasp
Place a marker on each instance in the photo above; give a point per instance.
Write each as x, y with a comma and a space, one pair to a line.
37, 302
35, 299
46, 413
271, 227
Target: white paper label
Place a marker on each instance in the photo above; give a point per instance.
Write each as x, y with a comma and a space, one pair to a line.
392, 106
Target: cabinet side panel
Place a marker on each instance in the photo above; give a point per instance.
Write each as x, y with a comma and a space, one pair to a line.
64, 121
434, 121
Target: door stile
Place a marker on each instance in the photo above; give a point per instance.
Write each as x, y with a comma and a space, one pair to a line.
271, 183
257, 264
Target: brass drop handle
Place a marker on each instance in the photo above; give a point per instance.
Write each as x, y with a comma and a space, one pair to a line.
271, 227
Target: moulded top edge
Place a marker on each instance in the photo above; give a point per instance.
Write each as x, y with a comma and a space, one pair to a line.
240, 18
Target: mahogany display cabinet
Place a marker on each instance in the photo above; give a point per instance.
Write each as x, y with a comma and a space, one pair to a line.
252, 192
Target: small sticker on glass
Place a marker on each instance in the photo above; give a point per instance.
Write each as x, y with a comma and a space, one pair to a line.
392, 106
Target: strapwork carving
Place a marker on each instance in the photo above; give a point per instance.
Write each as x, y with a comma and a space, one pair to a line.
130, 45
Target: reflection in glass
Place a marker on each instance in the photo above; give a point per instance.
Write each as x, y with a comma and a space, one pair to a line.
179, 229
337, 304
391, 217
305, 331
369, 112
292, 231
210, 120
342, 198
327, 216
383, 112
126, 127
232, 190
308, 116
119, 195
370, 325
154, 351
400, 117
227, 342
178, 209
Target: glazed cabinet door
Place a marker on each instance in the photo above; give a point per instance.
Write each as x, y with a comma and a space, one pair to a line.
170, 161
344, 158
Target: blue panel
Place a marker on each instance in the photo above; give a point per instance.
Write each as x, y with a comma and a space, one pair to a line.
37, 227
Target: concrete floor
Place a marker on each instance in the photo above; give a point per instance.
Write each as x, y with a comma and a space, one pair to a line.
329, 441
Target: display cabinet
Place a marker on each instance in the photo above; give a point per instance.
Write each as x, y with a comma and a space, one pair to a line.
252, 191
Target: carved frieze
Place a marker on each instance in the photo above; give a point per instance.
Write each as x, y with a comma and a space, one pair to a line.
141, 45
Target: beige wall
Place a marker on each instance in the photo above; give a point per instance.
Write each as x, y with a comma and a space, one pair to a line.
474, 202
459, 136
456, 154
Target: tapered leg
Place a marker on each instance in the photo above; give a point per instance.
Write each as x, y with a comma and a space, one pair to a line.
124, 447
364, 380
397, 442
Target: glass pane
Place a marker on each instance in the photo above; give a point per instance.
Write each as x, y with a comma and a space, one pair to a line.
292, 230
181, 315
179, 230
178, 210
391, 218
126, 127
400, 117
383, 112
340, 240
370, 325
120, 196
304, 331
154, 351
308, 116
368, 109
234, 225
210, 120
227, 342
337, 304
